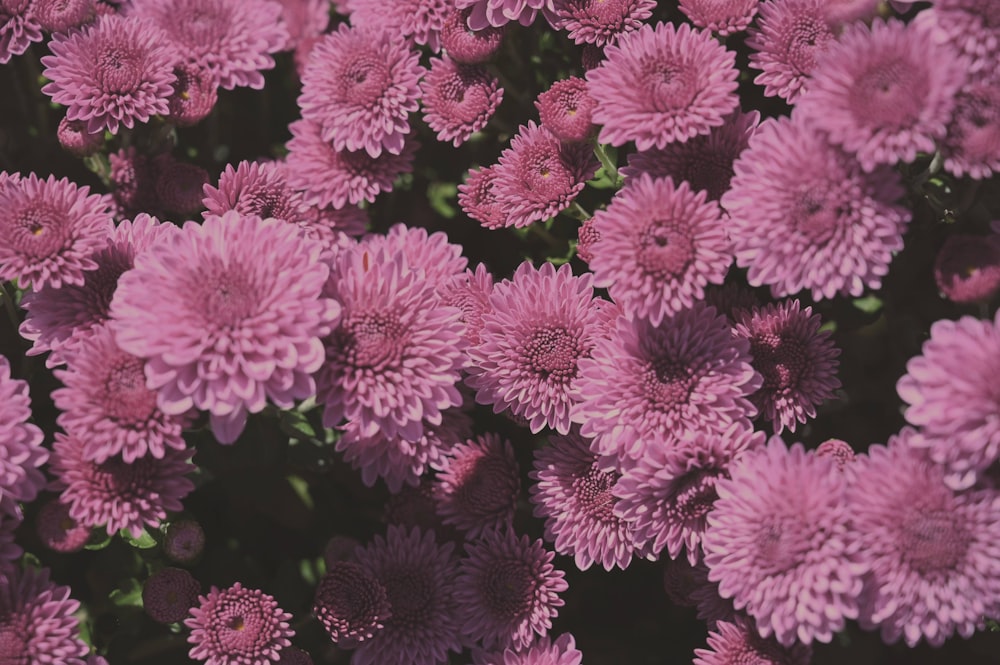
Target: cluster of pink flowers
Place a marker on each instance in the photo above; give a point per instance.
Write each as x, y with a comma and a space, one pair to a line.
646, 373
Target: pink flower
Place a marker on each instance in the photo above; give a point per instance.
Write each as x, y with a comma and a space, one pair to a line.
351, 604
725, 18
480, 200
972, 143
739, 642
459, 100
566, 110
37, 619
238, 626
22, 453
600, 22
421, 20
18, 28
467, 46
496, 13
477, 485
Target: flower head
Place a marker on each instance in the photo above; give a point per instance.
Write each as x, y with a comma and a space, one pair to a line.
967, 268
195, 94
184, 541
37, 622
480, 199
351, 604
971, 26
495, 13
237, 626
18, 28
663, 84
739, 642
566, 110
543, 651
57, 529
255, 188
169, 594
459, 100
725, 18
600, 22
76, 140
421, 20
971, 145
22, 453
57, 16
470, 47
477, 485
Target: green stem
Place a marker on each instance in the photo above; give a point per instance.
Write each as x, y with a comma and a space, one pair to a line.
540, 231
577, 211
609, 165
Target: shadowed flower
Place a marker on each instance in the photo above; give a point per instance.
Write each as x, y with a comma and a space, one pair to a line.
238, 626
507, 590
458, 100
58, 530
421, 20
255, 188
967, 268
689, 586
184, 541
600, 22
543, 651
477, 485
195, 94
470, 47
479, 198
351, 604
738, 643
785, 41
37, 622
566, 110
21, 453
10, 551
663, 84
724, 18
63, 15
18, 28
169, 594
76, 140
972, 143
178, 184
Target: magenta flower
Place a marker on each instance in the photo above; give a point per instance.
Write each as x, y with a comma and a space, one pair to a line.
507, 590
195, 94
467, 46
738, 642
351, 604
22, 453
57, 529
76, 140
116, 494
50, 229
393, 362
168, 595
574, 496
18, 28
786, 40
539, 325
542, 651
566, 110
249, 329
329, 177
233, 39
480, 199
778, 543
663, 84
117, 72
57, 16
798, 362
803, 214
600, 22
883, 94
587, 237
949, 390
725, 18
477, 485
969, 26
255, 188
667, 495
659, 246
459, 100
967, 268
971, 145
840, 451
238, 626
470, 292
360, 86
179, 184
441, 261
37, 619
539, 175
646, 385
495, 13
421, 20
934, 554
419, 580
732, 300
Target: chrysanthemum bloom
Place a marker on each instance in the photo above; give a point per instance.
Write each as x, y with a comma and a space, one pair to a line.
659, 246
458, 100
21, 453
725, 18
57, 529
507, 590
255, 188
329, 177
971, 145
786, 40
360, 86
840, 451
477, 485
184, 541
179, 184
238, 626
62, 15
539, 175
18, 28
934, 554
732, 300
600, 22
234, 39
566, 110
195, 94
479, 199
663, 84
133, 182
168, 595
803, 215
778, 543
470, 47
117, 72
351, 604
76, 140
971, 26
419, 579
399, 461
883, 94
543, 651
50, 229
574, 497
37, 622
393, 362
106, 405
689, 586
420, 20
59, 319
117, 494
798, 362
470, 292
967, 268
667, 495
440, 260
949, 390
486, 13
840, 12
304, 20
646, 385
739, 642
587, 237
250, 325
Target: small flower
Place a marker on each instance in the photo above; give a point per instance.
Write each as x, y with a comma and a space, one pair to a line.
57, 529
37, 620
725, 18
238, 626
543, 651
195, 94
459, 100
566, 110
184, 541
18, 28
169, 594
479, 198
469, 47
786, 40
967, 268
351, 604
840, 451
76, 140
477, 485
600, 22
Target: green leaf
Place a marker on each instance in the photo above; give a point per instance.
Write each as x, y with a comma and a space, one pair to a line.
145, 541
869, 304
128, 595
99, 539
296, 425
439, 195
301, 488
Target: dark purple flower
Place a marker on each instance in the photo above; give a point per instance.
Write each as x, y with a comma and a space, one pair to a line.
57, 529
169, 594
184, 541
178, 184
477, 485
238, 626
351, 604
967, 268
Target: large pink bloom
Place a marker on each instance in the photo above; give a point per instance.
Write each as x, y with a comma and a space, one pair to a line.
238, 626
247, 328
37, 622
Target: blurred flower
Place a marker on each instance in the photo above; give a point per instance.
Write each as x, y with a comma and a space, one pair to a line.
76, 140
566, 110
803, 215
786, 40
63, 15
600, 22
57, 529
359, 86
133, 182
842, 12
778, 543
950, 392
168, 595
470, 292
486, 13
255, 188
507, 590
37, 620
934, 555
738, 642
470, 47
840, 451
248, 328
971, 26
574, 497
477, 485
440, 260
732, 300
18, 28
458, 100
293, 656
967, 268
179, 184
587, 237
972, 143
184, 541
420, 19
22, 453
689, 586
238, 626
724, 18
663, 84
479, 198
351, 604
50, 229
542, 651
195, 94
